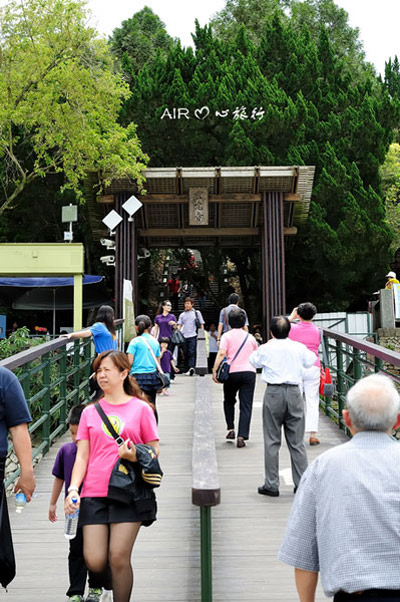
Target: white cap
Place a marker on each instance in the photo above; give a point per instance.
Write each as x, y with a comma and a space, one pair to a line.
391, 275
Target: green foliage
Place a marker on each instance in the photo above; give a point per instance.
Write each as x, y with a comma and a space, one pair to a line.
59, 100
390, 173
16, 342
139, 39
318, 110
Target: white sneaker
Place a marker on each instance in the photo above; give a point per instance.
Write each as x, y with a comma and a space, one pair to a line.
107, 596
190, 372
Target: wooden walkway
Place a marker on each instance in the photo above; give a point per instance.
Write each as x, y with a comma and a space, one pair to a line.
247, 527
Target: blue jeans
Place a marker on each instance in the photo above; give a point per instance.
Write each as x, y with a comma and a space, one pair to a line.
189, 350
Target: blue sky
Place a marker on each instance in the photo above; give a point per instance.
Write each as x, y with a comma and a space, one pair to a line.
378, 21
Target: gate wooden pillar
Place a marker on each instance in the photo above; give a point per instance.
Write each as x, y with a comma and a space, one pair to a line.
125, 256
273, 258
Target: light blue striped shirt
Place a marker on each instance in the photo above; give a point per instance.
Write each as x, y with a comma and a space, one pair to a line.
345, 518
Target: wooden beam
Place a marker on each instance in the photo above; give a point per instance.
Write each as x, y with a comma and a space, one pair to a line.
197, 232
291, 197
202, 232
108, 199
212, 198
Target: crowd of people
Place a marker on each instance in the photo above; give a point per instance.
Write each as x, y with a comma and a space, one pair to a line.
359, 477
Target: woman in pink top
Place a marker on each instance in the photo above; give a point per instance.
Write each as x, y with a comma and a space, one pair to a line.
242, 375
110, 528
305, 332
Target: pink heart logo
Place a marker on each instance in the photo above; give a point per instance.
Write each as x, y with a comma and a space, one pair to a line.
202, 113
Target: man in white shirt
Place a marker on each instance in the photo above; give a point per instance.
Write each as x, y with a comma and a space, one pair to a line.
282, 361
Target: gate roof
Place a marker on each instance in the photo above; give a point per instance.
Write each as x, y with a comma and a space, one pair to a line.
234, 198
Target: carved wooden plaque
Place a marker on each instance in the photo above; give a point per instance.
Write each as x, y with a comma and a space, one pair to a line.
198, 206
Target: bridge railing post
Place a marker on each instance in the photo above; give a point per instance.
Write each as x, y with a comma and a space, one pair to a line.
206, 491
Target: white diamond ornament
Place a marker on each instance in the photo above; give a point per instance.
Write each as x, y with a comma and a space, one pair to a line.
112, 220
131, 206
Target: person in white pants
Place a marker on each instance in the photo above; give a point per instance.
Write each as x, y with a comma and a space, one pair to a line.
307, 333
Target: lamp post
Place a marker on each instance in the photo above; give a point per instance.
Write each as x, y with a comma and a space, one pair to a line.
125, 256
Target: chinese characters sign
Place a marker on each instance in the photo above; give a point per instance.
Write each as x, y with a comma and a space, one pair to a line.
239, 113
198, 206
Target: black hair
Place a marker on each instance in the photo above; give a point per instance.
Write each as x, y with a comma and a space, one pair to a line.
280, 327
105, 314
164, 340
306, 311
143, 322
233, 298
237, 318
74, 415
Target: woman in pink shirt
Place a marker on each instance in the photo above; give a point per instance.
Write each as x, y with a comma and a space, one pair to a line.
242, 375
110, 527
305, 332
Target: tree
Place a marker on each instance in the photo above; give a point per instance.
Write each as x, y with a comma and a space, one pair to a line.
304, 15
287, 99
139, 39
390, 173
59, 100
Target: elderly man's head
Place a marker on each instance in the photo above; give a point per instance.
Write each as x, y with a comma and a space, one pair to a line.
373, 404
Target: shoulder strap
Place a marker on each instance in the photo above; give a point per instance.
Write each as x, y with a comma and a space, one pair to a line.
240, 348
324, 354
108, 424
158, 365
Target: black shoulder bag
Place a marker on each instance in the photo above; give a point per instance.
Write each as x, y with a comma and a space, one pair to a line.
126, 476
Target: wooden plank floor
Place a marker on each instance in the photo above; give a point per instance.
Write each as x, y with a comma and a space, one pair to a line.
247, 527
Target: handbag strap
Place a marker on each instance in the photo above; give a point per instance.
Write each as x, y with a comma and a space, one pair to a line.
324, 354
240, 349
118, 439
158, 365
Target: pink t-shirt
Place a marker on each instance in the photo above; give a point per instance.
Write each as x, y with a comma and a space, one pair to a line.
133, 420
309, 335
230, 343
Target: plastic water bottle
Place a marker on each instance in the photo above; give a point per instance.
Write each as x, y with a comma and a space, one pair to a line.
20, 502
71, 522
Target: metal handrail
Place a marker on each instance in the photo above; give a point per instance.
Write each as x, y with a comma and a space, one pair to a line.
53, 379
349, 359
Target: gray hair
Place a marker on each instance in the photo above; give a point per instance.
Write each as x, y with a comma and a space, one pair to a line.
373, 403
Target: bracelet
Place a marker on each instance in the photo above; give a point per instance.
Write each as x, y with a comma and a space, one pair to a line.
72, 488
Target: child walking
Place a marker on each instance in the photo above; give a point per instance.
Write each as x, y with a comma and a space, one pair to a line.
62, 471
167, 361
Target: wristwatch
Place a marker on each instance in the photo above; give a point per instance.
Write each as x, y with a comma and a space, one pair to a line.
73, 488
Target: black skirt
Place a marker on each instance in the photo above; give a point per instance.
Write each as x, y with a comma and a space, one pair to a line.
148, 381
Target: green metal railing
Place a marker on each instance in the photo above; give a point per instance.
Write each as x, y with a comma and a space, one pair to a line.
350, 359
54, 376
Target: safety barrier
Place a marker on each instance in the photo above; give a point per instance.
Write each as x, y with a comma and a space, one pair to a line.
350, 359
54, 376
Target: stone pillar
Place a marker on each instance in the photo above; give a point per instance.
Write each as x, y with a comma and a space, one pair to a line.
387, 308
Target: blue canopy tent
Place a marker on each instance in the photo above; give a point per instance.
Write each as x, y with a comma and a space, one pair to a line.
51, 294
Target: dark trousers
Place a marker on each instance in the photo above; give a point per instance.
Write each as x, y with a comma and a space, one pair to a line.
190, 350
244, 383
78, 571
211, 359
370, 595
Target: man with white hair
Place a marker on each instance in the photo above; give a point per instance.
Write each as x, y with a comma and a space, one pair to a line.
345, 519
